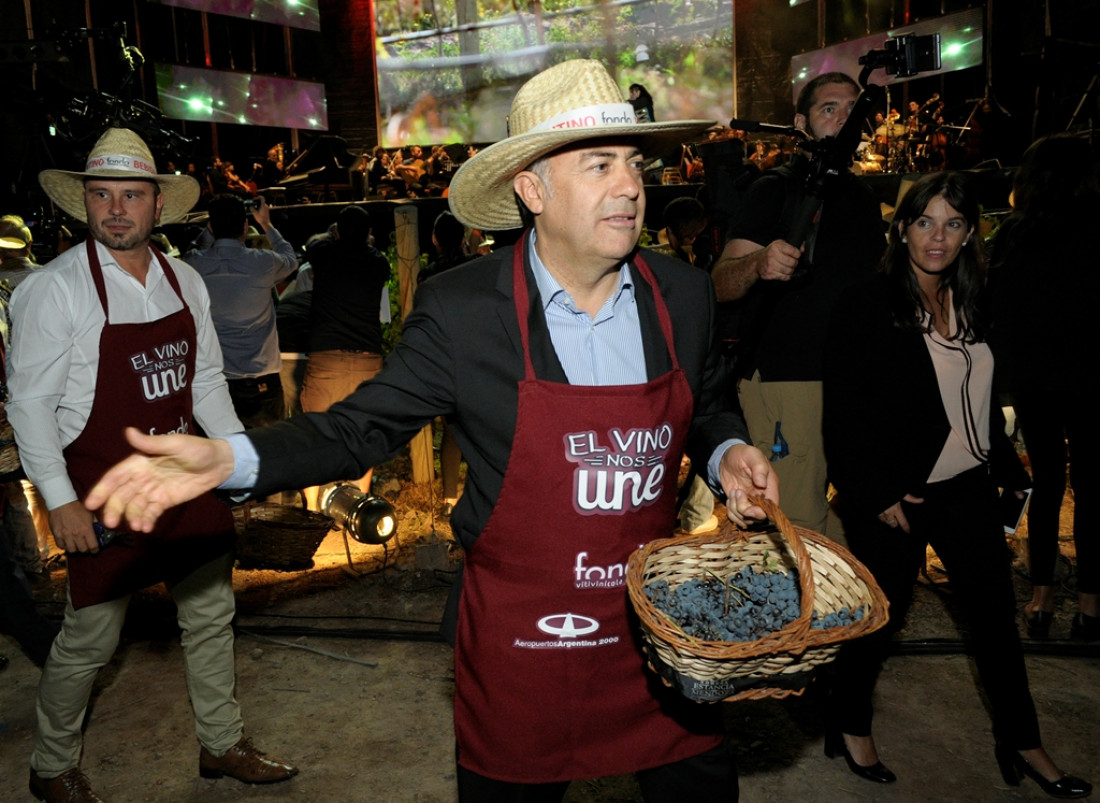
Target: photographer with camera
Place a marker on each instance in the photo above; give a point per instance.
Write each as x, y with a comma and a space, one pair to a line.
788, 283
240, 280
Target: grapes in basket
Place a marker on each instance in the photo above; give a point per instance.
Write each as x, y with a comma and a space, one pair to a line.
745, 606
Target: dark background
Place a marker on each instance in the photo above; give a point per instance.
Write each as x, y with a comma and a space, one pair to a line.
1040, 67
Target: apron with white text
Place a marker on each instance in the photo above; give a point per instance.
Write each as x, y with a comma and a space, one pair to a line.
144, 381
550, 684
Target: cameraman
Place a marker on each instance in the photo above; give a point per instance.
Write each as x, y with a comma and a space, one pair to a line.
789, 290
240, 281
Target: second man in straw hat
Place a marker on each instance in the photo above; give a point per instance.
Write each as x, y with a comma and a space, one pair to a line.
114, 333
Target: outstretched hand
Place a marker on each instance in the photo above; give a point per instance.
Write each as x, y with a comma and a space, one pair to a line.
745, 470
166, 470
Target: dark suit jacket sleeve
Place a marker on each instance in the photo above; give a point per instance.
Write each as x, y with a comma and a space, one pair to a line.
460, 357
866, 444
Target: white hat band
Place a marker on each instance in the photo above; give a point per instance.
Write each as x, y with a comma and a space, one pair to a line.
590, 117
118, 161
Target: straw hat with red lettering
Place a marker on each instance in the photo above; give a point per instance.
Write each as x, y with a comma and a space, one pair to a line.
569, 102
120, 154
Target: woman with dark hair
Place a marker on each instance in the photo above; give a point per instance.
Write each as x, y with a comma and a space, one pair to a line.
916, 449
642, 102
1044, 284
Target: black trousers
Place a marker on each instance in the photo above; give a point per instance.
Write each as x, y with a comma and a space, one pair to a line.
710, 776
959, 519
1049, 419
259, 400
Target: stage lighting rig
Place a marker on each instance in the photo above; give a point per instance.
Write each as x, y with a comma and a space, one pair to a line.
87, 116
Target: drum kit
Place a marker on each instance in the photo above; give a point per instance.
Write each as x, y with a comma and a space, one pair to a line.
915, 145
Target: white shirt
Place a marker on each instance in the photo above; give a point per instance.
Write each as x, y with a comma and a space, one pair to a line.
56, 323
965, 375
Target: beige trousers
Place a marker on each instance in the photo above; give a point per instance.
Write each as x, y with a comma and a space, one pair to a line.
803, 477
89, 636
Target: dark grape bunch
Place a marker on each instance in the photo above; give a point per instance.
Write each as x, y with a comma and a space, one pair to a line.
747, 606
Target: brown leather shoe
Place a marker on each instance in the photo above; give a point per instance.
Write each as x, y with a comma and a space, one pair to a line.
246, 763
69, 787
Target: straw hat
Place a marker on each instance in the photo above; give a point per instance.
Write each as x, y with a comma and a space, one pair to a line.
569, 102
121, 154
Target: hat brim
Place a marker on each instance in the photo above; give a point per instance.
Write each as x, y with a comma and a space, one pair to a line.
481, 194
66, 189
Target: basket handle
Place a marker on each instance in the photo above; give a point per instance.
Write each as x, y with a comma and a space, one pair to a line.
801, 556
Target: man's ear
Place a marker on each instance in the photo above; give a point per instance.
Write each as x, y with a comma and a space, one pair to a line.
800, 122
530, 189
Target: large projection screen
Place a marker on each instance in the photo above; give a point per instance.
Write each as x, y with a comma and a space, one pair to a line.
220, 96
447, 71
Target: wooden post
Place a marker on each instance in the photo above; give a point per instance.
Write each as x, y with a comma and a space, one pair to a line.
406, 225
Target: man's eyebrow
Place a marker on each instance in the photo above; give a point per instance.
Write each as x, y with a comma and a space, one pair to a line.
603, 153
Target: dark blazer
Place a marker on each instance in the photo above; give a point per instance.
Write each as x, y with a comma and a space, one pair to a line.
884, 420
461, 357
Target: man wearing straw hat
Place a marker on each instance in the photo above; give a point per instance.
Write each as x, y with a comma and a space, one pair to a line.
574, 373
114, 333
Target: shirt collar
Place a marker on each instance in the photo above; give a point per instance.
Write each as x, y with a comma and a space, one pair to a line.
156, 273
552, 292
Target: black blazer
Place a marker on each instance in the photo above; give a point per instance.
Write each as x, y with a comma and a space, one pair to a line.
461, 357
884, 420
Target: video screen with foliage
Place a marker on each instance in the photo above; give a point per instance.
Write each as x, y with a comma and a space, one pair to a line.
447, 70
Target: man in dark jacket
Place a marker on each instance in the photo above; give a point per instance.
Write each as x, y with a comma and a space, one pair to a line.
576, 372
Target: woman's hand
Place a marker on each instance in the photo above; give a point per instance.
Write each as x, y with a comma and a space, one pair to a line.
894, 516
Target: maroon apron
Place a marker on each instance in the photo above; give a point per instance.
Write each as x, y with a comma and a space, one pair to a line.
549, 682
144, 381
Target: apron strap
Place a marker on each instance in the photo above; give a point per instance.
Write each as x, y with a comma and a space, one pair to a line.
101, 287
523, 303
97, 275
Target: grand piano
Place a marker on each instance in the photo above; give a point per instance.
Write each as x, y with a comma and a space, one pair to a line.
325, 171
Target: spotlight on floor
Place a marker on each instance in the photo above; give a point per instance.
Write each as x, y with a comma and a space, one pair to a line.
367, 518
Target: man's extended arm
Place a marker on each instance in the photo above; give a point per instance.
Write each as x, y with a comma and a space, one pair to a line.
744, 262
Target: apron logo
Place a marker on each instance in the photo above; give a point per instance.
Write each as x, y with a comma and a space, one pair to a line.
586, 576
182, 429
623, 477
570, 629
164, 371
568, 625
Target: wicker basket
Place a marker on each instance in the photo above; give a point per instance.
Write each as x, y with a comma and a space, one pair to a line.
777, 665
279, 537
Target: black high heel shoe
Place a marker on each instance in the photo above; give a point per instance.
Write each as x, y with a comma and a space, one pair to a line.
1085, 627
1014, 767
877, 772
1038, 623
